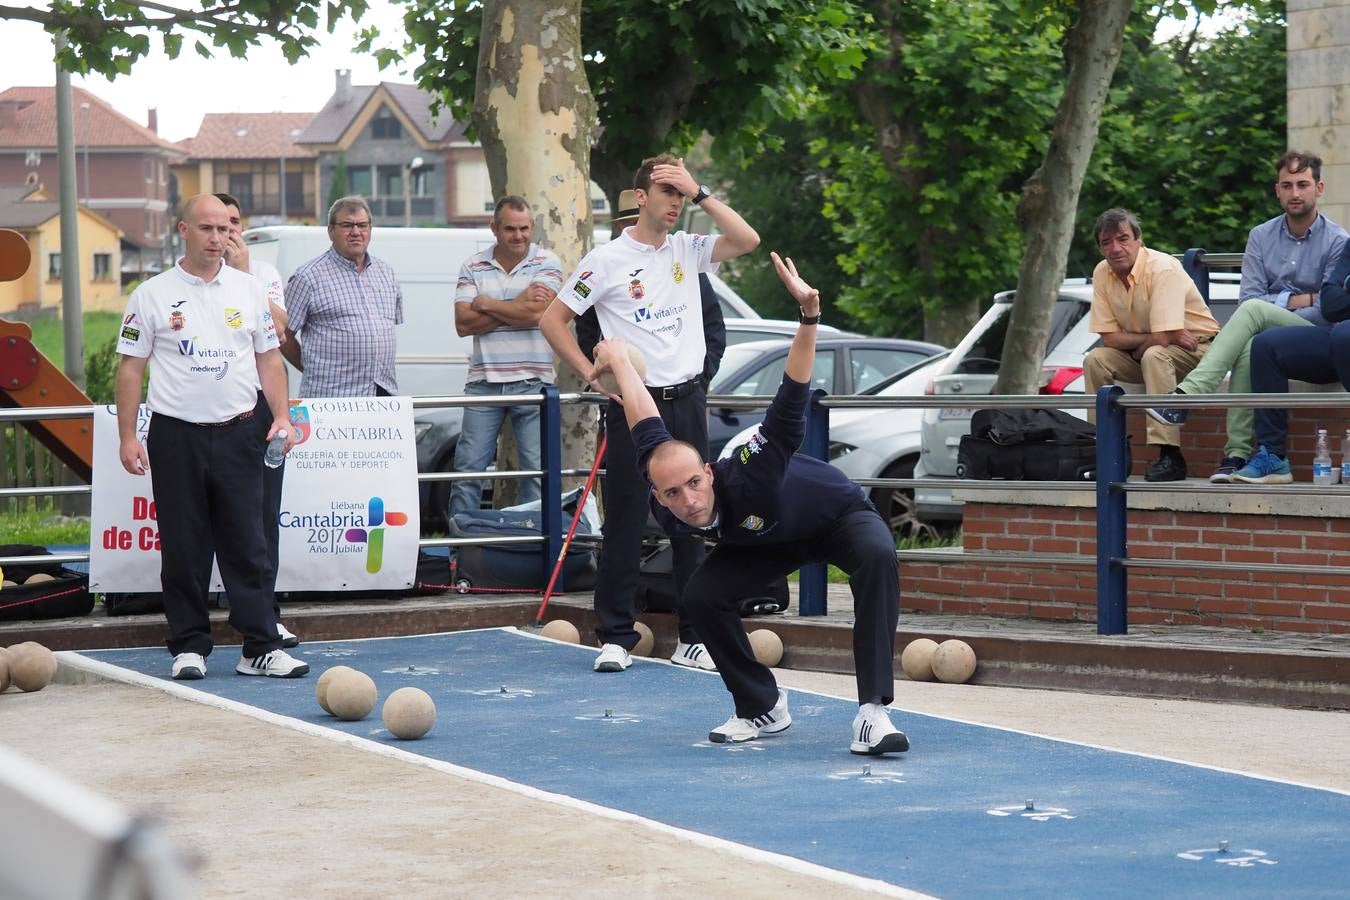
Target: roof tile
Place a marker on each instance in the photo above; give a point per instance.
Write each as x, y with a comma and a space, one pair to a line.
99, 126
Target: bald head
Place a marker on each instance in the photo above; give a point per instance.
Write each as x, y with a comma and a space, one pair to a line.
682, 482
204, 227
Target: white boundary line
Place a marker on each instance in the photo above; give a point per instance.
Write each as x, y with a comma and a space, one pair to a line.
790, 863
915, 712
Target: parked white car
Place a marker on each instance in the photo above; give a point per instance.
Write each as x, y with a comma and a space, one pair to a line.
972, 368
880, 443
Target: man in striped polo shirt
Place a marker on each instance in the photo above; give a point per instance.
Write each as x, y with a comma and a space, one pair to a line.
501, 294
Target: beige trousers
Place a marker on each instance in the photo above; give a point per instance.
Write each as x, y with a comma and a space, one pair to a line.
1159, 371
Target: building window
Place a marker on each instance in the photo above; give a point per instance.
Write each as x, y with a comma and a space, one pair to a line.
390, 181
148, 165
358, 181
53, 266
241, 187
102, 266
421, 181
384, 126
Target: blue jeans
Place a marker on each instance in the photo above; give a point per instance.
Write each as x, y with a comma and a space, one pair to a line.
478, 440
1315, 355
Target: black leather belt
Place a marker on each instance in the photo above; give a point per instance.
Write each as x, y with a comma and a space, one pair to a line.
675, 391
242, 417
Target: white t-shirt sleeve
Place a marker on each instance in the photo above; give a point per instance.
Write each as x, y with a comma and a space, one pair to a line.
579, 291
264, 329
137, 337
701, 245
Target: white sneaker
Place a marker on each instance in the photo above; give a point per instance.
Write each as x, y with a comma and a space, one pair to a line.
873, 733
695, 656
736, 729
612, 658
276, 664
189, 667
288, 640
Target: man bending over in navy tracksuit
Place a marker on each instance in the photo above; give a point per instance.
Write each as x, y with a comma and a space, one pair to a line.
770, 511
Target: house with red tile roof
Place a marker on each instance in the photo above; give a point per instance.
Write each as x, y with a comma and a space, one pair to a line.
256, 158
121, 170
32, 212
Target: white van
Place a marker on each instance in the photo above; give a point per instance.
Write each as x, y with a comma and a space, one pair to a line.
430, 359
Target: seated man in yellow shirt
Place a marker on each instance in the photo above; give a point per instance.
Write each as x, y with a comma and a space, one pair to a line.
1154, 324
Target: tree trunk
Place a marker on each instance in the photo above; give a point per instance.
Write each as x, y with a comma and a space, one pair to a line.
1050, 197
534, 114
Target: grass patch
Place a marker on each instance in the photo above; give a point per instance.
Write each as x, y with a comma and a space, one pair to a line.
42, 525
99, 329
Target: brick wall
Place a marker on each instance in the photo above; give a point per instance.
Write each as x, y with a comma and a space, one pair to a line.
1204, 435
1230, 597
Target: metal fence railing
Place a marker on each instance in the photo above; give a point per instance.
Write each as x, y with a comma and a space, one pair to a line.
1111, 487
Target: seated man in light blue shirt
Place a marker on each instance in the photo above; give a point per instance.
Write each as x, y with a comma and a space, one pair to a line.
1286, 261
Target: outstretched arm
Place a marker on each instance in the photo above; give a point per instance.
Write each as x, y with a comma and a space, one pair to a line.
802, 354
612, 356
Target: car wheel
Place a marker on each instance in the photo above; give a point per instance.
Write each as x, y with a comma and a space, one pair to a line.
897, 506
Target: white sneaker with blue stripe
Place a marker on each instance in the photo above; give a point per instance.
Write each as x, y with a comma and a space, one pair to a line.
873, 733
735, 730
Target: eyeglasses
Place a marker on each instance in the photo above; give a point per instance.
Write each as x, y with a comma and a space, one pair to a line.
354, 226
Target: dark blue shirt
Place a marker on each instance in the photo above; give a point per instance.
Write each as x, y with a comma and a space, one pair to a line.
766, 493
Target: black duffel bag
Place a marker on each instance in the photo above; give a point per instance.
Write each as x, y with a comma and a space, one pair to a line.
1028, 445
57, 593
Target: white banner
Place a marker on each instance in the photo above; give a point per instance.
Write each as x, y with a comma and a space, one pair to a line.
349, 506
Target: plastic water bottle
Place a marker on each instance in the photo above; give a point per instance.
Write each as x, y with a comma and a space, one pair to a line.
276, 449
1323, 473
1345, 458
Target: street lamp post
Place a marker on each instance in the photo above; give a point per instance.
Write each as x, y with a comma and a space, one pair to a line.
88, 188
408, 170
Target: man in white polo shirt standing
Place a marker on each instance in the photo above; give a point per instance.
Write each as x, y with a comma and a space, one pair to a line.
645, 289
209, 332
499, 298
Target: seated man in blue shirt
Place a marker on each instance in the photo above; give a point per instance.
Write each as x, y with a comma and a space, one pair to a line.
1316, 355
770, 511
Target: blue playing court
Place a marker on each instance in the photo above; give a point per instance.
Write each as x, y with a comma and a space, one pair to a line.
970, 811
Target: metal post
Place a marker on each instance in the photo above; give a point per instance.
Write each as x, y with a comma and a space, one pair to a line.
1113, 455
1193, 261
72, 309
811, 596
550, 485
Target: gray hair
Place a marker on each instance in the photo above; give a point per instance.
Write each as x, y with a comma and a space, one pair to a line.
344, 204
1110, 221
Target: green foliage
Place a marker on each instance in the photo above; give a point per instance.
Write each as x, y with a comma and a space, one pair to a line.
38, 521
663, 73
107, 37
100, 371
924, 184
783, 191
98, 328
338, 189
1190, 138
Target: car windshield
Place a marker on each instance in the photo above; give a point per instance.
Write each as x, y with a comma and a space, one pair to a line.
735, 359
986, 353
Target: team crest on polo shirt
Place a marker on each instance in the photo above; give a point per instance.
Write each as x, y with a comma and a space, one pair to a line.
636, 290
752, 447
176, 320
677, 272
752, 523
234, 318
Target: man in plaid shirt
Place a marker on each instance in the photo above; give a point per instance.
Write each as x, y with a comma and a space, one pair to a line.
343, 306
501, 294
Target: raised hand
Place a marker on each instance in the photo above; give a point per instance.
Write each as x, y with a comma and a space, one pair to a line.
807, 297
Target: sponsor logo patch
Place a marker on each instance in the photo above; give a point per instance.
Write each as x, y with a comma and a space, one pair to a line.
677, 272
581, 290
752, 446
752, 523
130, 319
176, 305
131, 334
234, 318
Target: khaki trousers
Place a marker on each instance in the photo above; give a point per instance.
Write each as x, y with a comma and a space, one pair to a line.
1159, 371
